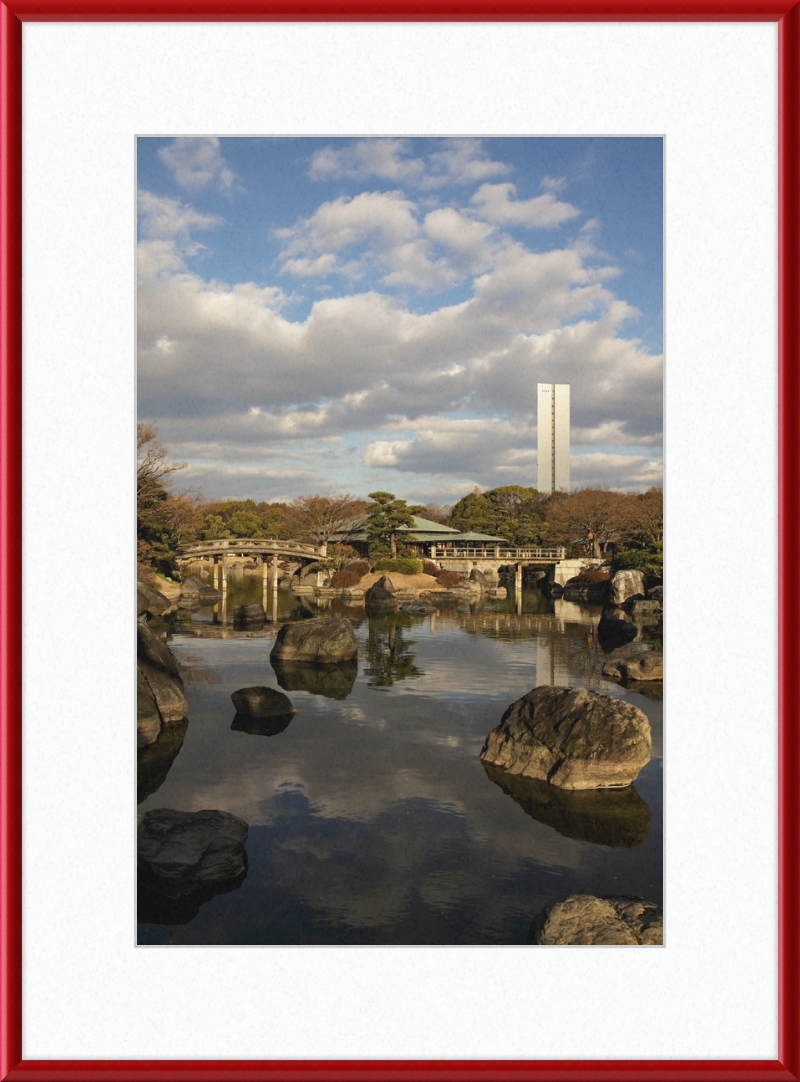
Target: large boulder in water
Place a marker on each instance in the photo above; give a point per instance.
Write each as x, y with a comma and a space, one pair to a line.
262, 702
183, 852
625, 585
316, 642
572, 738
585, 919
385, 583
160, 696
479, 578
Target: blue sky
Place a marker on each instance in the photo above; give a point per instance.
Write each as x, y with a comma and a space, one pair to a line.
331, 315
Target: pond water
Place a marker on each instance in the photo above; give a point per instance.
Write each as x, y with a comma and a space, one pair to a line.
372, 819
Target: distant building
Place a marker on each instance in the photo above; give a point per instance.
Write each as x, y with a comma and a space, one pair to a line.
553, 429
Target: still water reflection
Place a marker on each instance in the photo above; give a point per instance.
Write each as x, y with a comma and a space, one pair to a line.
372, 819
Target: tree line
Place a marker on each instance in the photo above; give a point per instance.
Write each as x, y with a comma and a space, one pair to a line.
590, 521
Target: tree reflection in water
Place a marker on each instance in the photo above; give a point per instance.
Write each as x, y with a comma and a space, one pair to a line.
388, 652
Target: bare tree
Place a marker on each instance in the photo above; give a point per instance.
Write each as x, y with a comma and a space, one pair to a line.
322, 518
588, 514
153, 466
646, 515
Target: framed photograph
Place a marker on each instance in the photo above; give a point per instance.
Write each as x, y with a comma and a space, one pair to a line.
384, 260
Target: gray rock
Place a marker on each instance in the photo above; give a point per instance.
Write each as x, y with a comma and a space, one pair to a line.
649, 666
624, 586
194, 589
182, 852
152, 649
148, 719
572, 738
418, 608
160, 697
262, 702
377, 598
155, 603
141, 604
656, 593
588, 920
248, 616
385, 583
316, 641
643, 610
616, 628
593, 592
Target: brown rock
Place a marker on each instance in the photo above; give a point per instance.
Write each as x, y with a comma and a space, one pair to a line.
572, 738
315, 641
262, 702
588, 920
181, 852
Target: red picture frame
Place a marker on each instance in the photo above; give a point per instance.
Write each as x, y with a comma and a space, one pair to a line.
13, 14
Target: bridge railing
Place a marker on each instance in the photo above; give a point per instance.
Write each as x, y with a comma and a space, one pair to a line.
453, 552
243, 545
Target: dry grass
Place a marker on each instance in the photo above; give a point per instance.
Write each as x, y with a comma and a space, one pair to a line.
401, 582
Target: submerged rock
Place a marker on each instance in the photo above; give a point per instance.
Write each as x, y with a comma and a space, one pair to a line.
183, 852
262, 702
572, 738
316, 641
588, 920
615, 817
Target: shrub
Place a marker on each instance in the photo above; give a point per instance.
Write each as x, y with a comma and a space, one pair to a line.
593, 575
430, 568
401, 566
358, 567
344, 578
448, 578
650, 561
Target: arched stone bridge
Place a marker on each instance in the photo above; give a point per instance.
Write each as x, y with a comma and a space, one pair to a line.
251, 546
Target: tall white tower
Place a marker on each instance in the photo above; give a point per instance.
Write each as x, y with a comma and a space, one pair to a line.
553, 428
